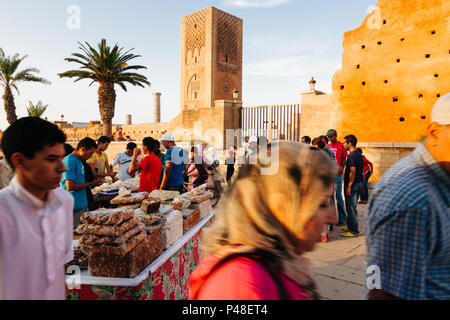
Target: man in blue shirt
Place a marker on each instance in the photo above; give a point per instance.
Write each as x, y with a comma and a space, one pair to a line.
73, 179
353, 178
408, 220
175, 161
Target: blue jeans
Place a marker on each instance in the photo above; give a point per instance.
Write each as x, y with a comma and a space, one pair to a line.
364, 194
350, 206
339, 200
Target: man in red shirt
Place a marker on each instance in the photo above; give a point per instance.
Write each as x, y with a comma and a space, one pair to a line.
149, 165
341, 156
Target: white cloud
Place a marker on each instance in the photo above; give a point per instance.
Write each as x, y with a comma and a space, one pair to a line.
255, 3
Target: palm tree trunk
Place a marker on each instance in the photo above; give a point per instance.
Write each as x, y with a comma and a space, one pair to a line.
107, 103
10, 107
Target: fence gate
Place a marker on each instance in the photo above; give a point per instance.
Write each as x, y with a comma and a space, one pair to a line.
280, 122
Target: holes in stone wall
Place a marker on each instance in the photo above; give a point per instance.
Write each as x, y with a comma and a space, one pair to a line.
395, 99
438, 95
398, 60
385, 81
195, 95
420, 95
433, 32
379, 43
402, 39
195, 59
363, 47
357, 66
384, 21
427, 56
401, 119
423, 117
436, 75
363, 83
226, 58
342, 87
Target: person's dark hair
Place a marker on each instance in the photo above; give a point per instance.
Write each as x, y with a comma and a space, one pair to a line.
359, 150
131, 145
317, 141
87, 143
325, 138
29, 135
68, 149
307, 139
150, 143
352, 139
104, 139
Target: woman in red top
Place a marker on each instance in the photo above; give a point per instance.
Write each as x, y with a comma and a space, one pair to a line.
150, 166
273, 214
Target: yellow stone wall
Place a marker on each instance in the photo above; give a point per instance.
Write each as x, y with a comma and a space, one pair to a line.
394, 67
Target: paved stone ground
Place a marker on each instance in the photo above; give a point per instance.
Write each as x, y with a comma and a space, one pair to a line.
339, 264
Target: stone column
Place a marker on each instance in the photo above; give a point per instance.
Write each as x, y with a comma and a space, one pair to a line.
128, 119
157, 107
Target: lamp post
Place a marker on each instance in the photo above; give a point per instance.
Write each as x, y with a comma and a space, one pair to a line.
235, 97
235, 94
312, 84
62, 117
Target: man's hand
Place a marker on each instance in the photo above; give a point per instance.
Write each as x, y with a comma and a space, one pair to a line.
348, 191
97, 182
137, 152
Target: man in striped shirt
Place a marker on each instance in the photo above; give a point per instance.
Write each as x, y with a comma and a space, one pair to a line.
408, 220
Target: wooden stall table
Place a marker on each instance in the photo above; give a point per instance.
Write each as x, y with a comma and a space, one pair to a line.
166, 278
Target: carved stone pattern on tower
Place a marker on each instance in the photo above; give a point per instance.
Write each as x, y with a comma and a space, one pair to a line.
194, 86
227, 37
195, 31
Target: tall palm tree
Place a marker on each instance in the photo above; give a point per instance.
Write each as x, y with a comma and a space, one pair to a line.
9, 79
36, 110
107, 67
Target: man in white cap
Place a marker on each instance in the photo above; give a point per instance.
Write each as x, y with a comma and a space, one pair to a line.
408, 220
174, 164
250, 156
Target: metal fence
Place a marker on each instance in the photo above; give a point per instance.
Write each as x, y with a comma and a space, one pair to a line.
279, 122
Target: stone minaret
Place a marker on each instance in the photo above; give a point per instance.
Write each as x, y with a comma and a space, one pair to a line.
211, 58
157, 107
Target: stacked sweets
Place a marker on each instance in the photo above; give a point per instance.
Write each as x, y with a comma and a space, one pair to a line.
115, 242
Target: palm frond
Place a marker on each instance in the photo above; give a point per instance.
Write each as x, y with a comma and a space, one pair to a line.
36, 110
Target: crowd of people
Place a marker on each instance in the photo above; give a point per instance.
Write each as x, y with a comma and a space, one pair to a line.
353, 173
255, 247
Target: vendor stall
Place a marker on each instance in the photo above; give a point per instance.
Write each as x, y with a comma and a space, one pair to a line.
165, 278
146, 248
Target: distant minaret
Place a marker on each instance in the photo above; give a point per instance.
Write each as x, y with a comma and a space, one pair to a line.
128, 119
157, 107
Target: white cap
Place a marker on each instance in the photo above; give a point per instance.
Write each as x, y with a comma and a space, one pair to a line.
441, 110
167, 137
253, 139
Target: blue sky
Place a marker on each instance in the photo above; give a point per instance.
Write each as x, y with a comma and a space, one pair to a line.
285, 43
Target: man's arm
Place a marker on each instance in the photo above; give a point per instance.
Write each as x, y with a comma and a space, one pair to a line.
343, 164
133, 165
166, 175
72, 186
351, 179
